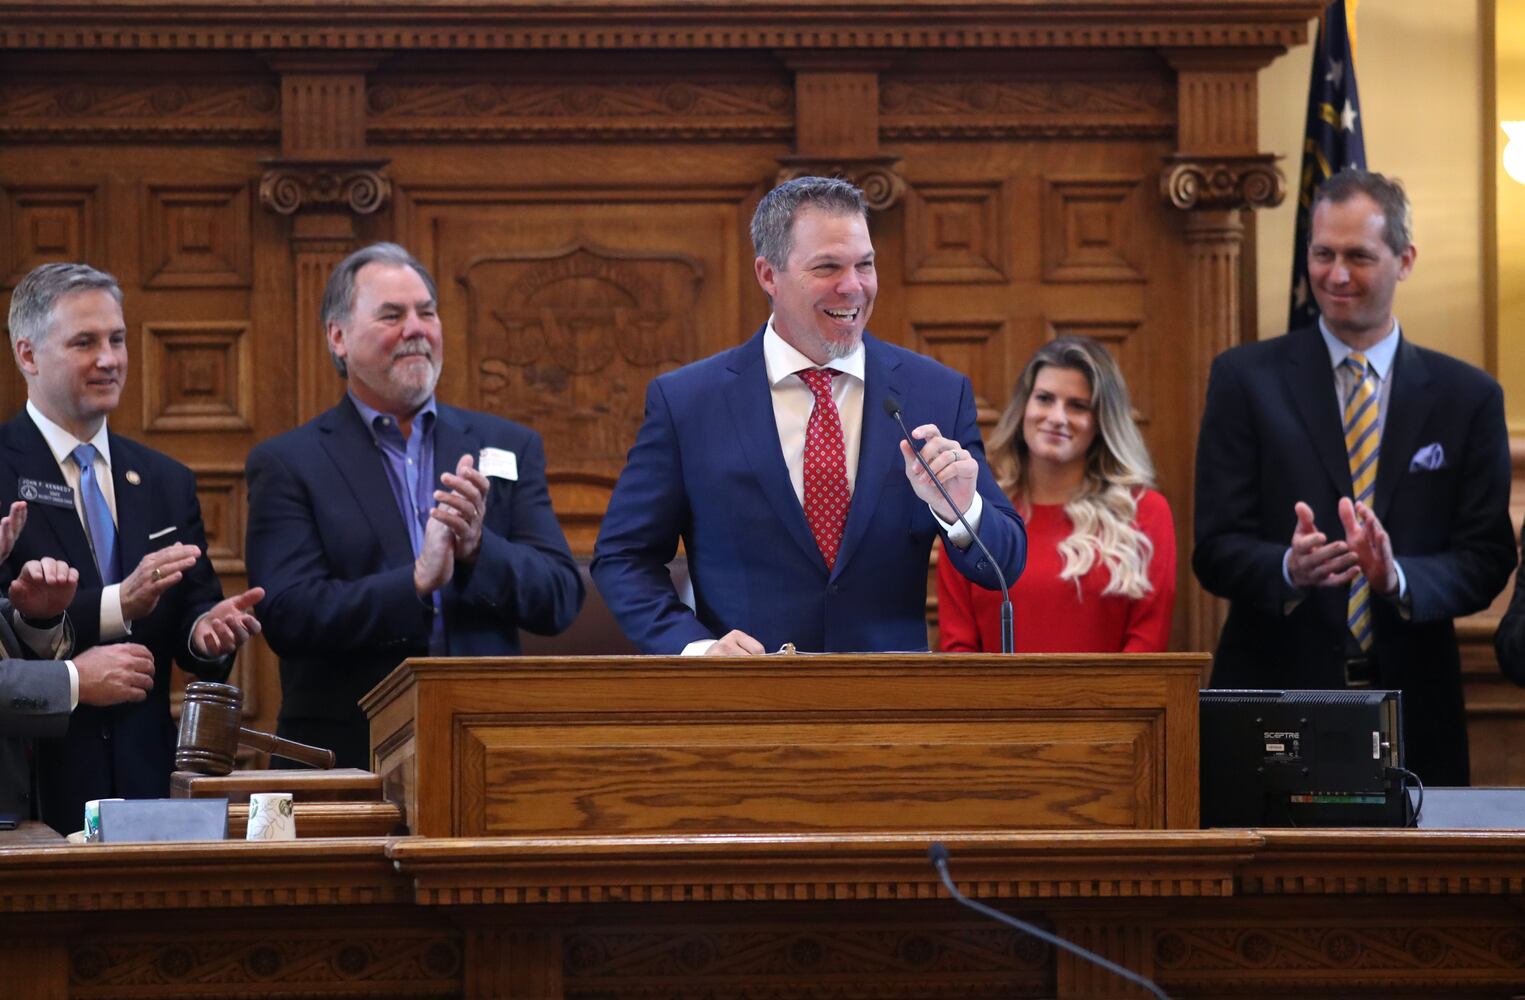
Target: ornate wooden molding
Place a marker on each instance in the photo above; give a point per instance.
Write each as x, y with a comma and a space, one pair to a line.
916, 107
647, 24
882, 184
56, 111
199, 875
408, 109
799, 868
1220, 183
289, 186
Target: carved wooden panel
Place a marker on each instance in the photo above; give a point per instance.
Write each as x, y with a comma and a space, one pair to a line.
196, 236
197, 376
211, 108
221, 492
552, 332
1088, 229
489, 107
1322, 954
1122, 339
957, 233
976, 347
360, 962
42, 222
796, 959
992, 104
560, 306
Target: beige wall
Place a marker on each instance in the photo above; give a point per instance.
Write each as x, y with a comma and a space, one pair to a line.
1509, 213
1419, 64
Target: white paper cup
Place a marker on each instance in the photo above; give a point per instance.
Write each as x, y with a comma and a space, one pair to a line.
93, 820
271, 817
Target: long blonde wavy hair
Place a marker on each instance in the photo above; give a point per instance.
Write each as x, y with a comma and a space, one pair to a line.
1118, 467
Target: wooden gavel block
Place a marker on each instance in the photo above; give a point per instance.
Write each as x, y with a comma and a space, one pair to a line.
211, 732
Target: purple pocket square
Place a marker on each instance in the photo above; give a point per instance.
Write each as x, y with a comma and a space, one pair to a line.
1428, 459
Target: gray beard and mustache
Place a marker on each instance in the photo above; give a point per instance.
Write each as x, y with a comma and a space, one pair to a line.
419, 383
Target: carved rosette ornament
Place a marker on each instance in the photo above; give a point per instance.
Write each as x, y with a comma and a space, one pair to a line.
287, 187
882, 184
1226, 182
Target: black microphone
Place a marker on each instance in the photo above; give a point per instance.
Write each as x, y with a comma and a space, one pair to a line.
1008, 643
938, 855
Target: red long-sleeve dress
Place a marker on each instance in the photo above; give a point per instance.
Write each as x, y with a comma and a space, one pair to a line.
1048, 615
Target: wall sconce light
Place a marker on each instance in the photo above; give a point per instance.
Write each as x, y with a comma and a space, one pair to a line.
1514, 150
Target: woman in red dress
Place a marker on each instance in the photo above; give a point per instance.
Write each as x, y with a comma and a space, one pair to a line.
1101, 552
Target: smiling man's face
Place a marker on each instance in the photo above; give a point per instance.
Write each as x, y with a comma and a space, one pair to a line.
824, 294
75, 374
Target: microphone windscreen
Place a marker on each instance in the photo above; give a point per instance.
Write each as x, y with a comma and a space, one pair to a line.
892, 406
937, 853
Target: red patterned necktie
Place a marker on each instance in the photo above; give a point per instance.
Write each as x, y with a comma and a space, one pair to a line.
826, 494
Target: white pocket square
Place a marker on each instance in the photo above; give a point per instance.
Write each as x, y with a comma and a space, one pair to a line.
1428, 459
160, 533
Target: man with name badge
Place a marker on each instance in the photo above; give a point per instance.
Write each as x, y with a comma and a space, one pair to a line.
123, 515
394, 525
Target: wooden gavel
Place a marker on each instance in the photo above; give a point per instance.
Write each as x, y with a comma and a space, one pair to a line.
210, 733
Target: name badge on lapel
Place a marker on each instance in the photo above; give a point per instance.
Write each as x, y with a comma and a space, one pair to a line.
495, 463
49, 494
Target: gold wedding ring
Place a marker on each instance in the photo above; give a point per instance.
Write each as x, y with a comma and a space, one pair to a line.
157, 575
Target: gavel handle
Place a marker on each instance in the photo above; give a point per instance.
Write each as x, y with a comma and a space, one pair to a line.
290, 749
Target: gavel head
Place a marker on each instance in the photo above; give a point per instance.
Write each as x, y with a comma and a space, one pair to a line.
209, 725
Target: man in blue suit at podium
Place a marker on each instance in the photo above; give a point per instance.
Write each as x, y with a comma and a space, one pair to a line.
804, 516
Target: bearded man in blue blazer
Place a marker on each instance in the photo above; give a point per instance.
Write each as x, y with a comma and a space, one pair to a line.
393, 525
1353, 489
803, 514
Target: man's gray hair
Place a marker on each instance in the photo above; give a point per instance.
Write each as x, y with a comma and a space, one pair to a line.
1387, 192
339, 296
32, 303
773, 222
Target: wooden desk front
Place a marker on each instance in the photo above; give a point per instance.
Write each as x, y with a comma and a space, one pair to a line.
621, 746
1283, 914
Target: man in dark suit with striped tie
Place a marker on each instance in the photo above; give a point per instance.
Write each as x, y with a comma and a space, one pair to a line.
1352, 489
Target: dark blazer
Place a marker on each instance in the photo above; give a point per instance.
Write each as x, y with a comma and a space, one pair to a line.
706, 467
1271, 436
124, 750
1509, 640
331, 549
34, 701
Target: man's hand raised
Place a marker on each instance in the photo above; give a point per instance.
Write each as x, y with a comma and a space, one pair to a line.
156, 573
1315, 561
228, 625
110, 675
44, 588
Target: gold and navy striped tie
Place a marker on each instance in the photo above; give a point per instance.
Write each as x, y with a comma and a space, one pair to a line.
1363, 434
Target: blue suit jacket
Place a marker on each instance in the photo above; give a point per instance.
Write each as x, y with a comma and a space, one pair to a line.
1271, 436
125, 750
330, 547
706, 467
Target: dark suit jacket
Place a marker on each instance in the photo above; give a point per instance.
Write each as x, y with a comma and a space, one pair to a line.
331, 549
1271, 436
1509, 640
34, 701
125, 750
707, 467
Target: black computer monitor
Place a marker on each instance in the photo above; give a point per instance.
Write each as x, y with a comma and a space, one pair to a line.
1302, 758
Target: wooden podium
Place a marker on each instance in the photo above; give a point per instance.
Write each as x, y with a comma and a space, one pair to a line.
622, 746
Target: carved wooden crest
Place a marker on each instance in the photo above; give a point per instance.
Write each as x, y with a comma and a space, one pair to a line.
566, 341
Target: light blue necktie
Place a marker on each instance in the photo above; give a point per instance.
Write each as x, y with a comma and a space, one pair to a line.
97, 515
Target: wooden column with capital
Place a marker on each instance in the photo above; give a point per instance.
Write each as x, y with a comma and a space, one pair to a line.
1214, 177
836, 124
323, 180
